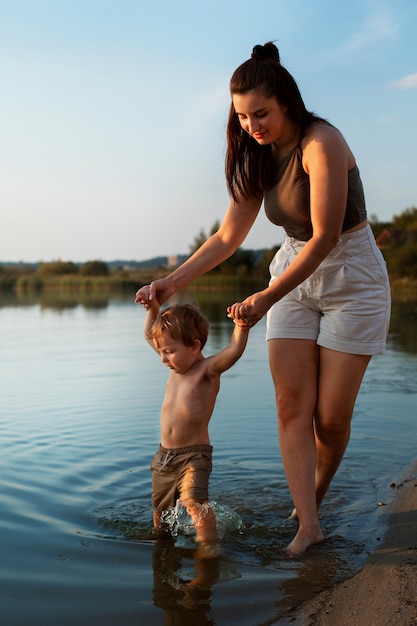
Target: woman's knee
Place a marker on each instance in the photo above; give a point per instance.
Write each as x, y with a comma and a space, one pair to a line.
294, 409
331, 431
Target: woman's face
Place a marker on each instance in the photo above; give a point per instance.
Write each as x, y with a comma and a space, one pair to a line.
264, 119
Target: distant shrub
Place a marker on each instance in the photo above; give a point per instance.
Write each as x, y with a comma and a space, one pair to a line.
94, 268
58, 268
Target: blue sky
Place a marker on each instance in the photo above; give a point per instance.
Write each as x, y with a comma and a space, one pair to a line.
113, 114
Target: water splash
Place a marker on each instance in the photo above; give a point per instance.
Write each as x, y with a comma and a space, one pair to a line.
133, 520
179, 521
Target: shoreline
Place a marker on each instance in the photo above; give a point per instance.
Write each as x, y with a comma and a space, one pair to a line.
384, 592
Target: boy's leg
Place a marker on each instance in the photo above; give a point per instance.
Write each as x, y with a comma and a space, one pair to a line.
193, 489
205, 525
164, 490
204, 520
156, 519
161, 528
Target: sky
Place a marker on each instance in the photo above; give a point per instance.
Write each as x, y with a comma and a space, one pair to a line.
113, 114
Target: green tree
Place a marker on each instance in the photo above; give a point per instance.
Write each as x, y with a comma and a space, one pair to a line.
377, 226
240, 263
407, 220
402, 260
202, 237
400, 248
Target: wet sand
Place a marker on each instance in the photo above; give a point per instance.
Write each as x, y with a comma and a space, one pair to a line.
384, 593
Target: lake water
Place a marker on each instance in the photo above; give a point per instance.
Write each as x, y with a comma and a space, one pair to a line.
80, 400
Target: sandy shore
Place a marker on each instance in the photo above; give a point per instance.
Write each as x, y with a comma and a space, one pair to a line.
384, 593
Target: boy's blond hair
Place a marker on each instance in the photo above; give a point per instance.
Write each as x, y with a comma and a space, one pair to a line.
184, 322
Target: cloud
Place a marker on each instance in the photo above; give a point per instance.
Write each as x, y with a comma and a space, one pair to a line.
379, 26
407, 82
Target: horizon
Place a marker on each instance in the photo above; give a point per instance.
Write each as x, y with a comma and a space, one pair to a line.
118, 260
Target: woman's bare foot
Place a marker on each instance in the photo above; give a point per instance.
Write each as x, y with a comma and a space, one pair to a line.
303, 540
293, 515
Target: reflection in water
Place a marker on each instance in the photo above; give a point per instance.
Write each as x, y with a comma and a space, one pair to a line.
325, 566
182, 585
403, 326
212, 303
59, 300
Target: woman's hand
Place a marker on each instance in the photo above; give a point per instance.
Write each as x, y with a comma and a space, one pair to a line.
251, 310
160, 289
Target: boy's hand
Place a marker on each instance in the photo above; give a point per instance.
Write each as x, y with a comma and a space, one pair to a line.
152, 311
253, 308
142, 297
162, 289
238, 313
244, 325
153, 307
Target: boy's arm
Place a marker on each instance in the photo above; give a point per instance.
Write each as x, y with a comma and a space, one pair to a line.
223, 360
151, 315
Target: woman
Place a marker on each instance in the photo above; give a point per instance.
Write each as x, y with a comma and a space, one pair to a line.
328, 300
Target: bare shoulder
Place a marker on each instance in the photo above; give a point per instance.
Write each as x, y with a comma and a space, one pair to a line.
323, 134
201, 368
324, 140
210, 366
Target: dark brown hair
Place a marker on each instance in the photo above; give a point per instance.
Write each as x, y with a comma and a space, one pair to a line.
184, 322
248, 165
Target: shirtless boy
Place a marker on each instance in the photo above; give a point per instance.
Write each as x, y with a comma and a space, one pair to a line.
182, 465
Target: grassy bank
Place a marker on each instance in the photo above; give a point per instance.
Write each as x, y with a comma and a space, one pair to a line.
401, 288
75, 283
121, 282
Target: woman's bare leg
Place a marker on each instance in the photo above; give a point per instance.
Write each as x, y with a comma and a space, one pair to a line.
294, 368
340, 377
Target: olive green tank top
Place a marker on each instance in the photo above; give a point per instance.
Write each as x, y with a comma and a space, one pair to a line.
287, 202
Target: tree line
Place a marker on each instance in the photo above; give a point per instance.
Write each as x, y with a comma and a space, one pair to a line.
396, 239
398, 242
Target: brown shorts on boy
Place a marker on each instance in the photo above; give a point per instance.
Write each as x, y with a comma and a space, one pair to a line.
180, 473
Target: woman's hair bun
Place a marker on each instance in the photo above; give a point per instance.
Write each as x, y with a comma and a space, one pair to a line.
267, 51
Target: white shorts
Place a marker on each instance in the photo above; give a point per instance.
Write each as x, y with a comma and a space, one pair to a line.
344, 305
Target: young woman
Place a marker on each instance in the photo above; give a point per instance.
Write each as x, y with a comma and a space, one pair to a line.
328, 300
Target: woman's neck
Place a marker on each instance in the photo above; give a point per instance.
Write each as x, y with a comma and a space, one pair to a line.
287, 142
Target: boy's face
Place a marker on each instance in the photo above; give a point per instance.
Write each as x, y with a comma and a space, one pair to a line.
175, 355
